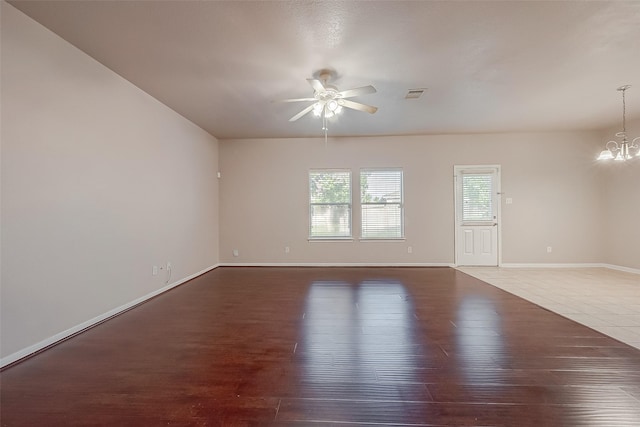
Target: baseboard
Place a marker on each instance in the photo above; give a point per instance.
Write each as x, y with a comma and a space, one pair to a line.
621, 268
64, 335
572, 265
552, 265
334, 264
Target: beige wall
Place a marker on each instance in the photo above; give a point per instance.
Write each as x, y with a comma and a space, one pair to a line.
621, 225
556, 195
100, 182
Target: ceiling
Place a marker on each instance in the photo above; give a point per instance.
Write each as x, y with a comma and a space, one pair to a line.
490, 66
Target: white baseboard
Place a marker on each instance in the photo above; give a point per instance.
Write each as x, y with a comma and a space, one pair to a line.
335, 264
61, 336
551, 265
572, 265
621, 268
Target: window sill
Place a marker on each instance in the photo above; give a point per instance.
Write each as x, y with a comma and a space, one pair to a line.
373, 240
330, 239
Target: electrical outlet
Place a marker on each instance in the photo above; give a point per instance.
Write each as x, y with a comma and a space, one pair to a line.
154, 271
549, 249
236, 252
409, 250
287, 249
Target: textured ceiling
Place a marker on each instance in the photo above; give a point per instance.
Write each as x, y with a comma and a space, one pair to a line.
488, 66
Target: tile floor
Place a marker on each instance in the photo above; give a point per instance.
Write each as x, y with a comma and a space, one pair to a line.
603, 299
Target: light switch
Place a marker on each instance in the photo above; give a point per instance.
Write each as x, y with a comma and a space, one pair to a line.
508, 201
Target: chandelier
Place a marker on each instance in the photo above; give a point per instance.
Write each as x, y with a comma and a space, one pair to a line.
621, 150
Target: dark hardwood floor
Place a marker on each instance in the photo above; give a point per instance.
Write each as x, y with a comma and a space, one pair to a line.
330, 346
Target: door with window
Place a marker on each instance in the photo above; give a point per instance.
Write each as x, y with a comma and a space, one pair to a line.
477, 190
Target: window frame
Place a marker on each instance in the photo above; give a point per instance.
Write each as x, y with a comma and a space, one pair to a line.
400, 204
348, 204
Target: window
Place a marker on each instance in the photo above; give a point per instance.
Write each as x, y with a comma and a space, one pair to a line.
329, 204
477, 197
382, 204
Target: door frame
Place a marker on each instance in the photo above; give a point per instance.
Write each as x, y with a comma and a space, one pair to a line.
477, 168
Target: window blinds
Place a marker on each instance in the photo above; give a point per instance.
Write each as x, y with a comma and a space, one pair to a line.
477, 197
381, 204
329, 203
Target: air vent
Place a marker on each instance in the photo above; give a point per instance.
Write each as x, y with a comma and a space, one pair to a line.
415, 93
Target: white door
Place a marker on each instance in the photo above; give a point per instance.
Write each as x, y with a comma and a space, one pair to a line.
477, 214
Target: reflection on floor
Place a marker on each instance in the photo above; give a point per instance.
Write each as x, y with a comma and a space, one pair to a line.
603, 299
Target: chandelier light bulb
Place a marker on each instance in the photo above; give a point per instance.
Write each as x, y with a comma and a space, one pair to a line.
605, 155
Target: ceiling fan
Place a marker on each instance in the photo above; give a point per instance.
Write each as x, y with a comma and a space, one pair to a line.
329, 100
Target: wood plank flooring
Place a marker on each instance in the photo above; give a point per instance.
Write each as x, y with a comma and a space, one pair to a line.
244, 346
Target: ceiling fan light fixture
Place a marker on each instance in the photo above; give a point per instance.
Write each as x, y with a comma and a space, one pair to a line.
332, 108
330, 101
317, 109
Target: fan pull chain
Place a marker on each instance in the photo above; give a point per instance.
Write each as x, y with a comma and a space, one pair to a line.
325, 128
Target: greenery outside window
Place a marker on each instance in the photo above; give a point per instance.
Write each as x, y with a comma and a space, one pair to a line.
477, 197
330, 204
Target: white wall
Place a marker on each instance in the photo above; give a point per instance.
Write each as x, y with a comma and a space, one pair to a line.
100, 182
556, 195
621, 224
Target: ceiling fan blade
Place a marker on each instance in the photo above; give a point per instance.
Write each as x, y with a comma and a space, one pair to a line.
302, 113
357, 106
294, 100
316, 85
357, 91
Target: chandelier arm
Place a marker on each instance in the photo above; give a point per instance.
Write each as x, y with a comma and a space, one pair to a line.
614, 148
635, 142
